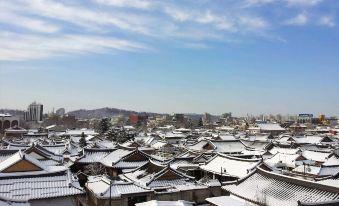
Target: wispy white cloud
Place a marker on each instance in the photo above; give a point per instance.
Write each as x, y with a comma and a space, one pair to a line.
104, 25
294, 3
303, 3
195, 45
299, 20
139, 4
229, 23
190, 33
78, 15
178, 14
14, 47
327, 21
258, 2
32, 24
253, 23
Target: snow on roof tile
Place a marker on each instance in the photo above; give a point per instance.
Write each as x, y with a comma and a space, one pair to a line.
40, 187
235, 167
100, 186
18, 157
316, 156
274, 189
270, 127
165, 203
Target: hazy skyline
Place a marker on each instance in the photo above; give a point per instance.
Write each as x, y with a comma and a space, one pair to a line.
240, 56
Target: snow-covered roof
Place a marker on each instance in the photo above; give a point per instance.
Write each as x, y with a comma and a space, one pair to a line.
329, 171
311, 139
256, 145
100, 186
284, 160
18, 157
5, 154
93, 155
253, 152
119, 159
39, 187
181, 163
142, 175
128, 127
78, 132
316, 156
230, 166
226, 137
165, 203
114, 157
332, 161
226, 201
270, 127
158, 145
225, 128
333, 182
308, 169
153, 175
273, 189
281, 150
202, 145
229, 147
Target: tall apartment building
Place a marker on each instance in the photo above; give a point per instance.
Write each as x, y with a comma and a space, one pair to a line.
34, 112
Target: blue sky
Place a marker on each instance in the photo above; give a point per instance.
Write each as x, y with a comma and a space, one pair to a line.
243, 56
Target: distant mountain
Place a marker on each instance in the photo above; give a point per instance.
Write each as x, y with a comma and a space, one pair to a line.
104, 112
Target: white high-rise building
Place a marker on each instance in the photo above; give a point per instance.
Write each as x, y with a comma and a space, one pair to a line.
34, 112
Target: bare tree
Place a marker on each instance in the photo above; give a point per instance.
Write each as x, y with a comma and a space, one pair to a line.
94, 169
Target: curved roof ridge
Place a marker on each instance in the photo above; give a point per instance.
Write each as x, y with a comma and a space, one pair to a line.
237, 158
168, 168
297, 181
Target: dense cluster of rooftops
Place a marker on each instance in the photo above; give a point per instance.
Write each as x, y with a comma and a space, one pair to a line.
169, 166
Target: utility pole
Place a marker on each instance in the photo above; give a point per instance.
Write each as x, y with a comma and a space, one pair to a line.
110, 192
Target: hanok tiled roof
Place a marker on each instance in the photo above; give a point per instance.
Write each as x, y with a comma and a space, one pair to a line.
316, 156
93, 155
40, 168
284, 160
4, 154
202, 145
229, 147
100, 186
123, 159
143, 174
329, 170
273, 189
42, 151
169, 177
230, 166
270, 127
188, 154
281, 150
129, 165
39, 187
165, 203
180, 162
18, 157
114, 157
334, 182
256, 145
332, 161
